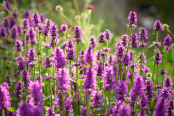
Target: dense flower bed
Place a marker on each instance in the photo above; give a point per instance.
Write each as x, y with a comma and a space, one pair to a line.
52, 75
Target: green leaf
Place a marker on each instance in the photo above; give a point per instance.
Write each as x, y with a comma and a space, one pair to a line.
58, 90
97, 60
47, 97
80, 81
68, 92
11, 109
127, 101
164, 50
84, 66
150, 46
45, 107
99, 109
83, 95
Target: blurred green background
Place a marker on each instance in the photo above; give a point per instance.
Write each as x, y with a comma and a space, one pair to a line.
112, 15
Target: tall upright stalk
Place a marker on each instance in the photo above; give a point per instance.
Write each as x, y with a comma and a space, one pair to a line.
157, 74
155, 54
88, 105
76, 80
129, 39
109, 97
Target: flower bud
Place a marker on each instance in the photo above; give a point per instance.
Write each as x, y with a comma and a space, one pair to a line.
165, 26
148, 75
59, 8
77, 17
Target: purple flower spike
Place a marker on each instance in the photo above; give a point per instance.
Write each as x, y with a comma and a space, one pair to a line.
89, 84
39, 78
8, 80
149, 90
31, 58
7, 5
96, 99
134, 41
108, 34
132, 19
59, 58
156, 43
5, 100
62, 82
167, 42
81, 57
27, 14
89, 56
168, 83
99, 69
126, 60
24, 109
64, 27
48, 62
15, 15
83, 111
19, 46
3, 32
6, 22
160, 108
119, 51
18, 90
158, 26
121, 90
50, 112
54, 31
93, 42
26, 77
124, 40
137, 89
71, 54
42, 17
31, 36
101, 38
77, 34
124, 110
157, 57
36, 95
14, 32
36, 19
21, 64
143, 34
108, 79
25, 24
70, 44
48, 23
162, 72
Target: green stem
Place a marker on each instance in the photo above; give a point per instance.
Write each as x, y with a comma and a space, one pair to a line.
157, 74
170, 32
155, 54
141, 63
25, 47
117, 71
76, 81
76, 6
63, 108
3, 113
129, 39
165, 60
133, 68
33, 72
88, 105
109, 97
64, 16
153, 71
